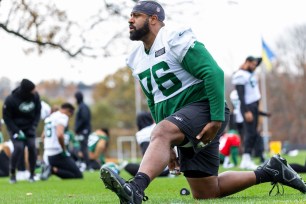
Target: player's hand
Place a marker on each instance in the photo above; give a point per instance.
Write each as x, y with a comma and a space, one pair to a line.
19, 136
248, 116
209, 132
174, 167
66, 153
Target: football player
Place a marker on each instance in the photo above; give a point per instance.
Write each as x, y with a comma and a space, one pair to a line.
185, 92
55, 150
97, 146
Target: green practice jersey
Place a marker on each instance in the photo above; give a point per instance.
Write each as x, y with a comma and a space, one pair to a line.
93, 140
178, 70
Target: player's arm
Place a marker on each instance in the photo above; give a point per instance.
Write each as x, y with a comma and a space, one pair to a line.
262, 113
201, 65
241, 93
37, 110
7, 116
248, 116
60, 131
73, 140
100, 148
80, 120
174, 166
42, 136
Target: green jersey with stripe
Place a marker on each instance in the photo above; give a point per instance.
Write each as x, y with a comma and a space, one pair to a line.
93, 140
176, 71
69, 138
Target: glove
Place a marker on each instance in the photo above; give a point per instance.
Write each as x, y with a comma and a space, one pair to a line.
65, 153
79, 137
19, 136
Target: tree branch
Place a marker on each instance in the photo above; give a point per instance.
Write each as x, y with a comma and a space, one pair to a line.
80, 51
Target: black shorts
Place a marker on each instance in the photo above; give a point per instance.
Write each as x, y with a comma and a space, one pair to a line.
67, 167
191, 119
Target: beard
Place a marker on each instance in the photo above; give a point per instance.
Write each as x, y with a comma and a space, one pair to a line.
250, 69
138, 34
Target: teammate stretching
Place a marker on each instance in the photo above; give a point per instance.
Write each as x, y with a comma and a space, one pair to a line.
55, 152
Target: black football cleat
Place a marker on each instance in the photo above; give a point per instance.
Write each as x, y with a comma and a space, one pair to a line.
281, 172
127, 192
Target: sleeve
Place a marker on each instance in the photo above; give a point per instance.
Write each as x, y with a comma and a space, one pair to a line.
45, 110
104, 137
62, 120
73, 140
241, 93
239, 79
82, 117
37, 110
262, 113
201, 65
180, 42
7, 116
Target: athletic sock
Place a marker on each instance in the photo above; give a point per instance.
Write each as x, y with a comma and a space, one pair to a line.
32, 174
262, 176
142, 180
13, 171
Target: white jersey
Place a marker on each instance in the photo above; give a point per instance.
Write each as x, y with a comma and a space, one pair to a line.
51, 143
250, 82
144, 134
236, 103
160, 74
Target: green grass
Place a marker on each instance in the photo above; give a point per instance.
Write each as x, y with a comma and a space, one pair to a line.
161, 190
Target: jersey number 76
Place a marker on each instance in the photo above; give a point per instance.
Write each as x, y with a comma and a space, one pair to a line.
167, 84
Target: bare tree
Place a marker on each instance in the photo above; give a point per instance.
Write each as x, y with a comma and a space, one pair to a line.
45, 26
286, 84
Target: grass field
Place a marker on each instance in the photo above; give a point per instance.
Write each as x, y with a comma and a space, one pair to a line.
162, 190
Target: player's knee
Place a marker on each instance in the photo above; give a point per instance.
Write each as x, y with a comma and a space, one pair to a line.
157, 135
165, 131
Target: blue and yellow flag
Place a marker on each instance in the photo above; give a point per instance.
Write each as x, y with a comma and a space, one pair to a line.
267, 55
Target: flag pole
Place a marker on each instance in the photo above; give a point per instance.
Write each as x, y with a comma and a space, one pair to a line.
265, 132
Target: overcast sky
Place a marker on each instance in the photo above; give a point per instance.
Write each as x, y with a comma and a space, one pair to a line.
231, 30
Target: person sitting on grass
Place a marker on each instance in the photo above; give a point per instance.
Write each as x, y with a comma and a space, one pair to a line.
55, 152
298, 167
97, 146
